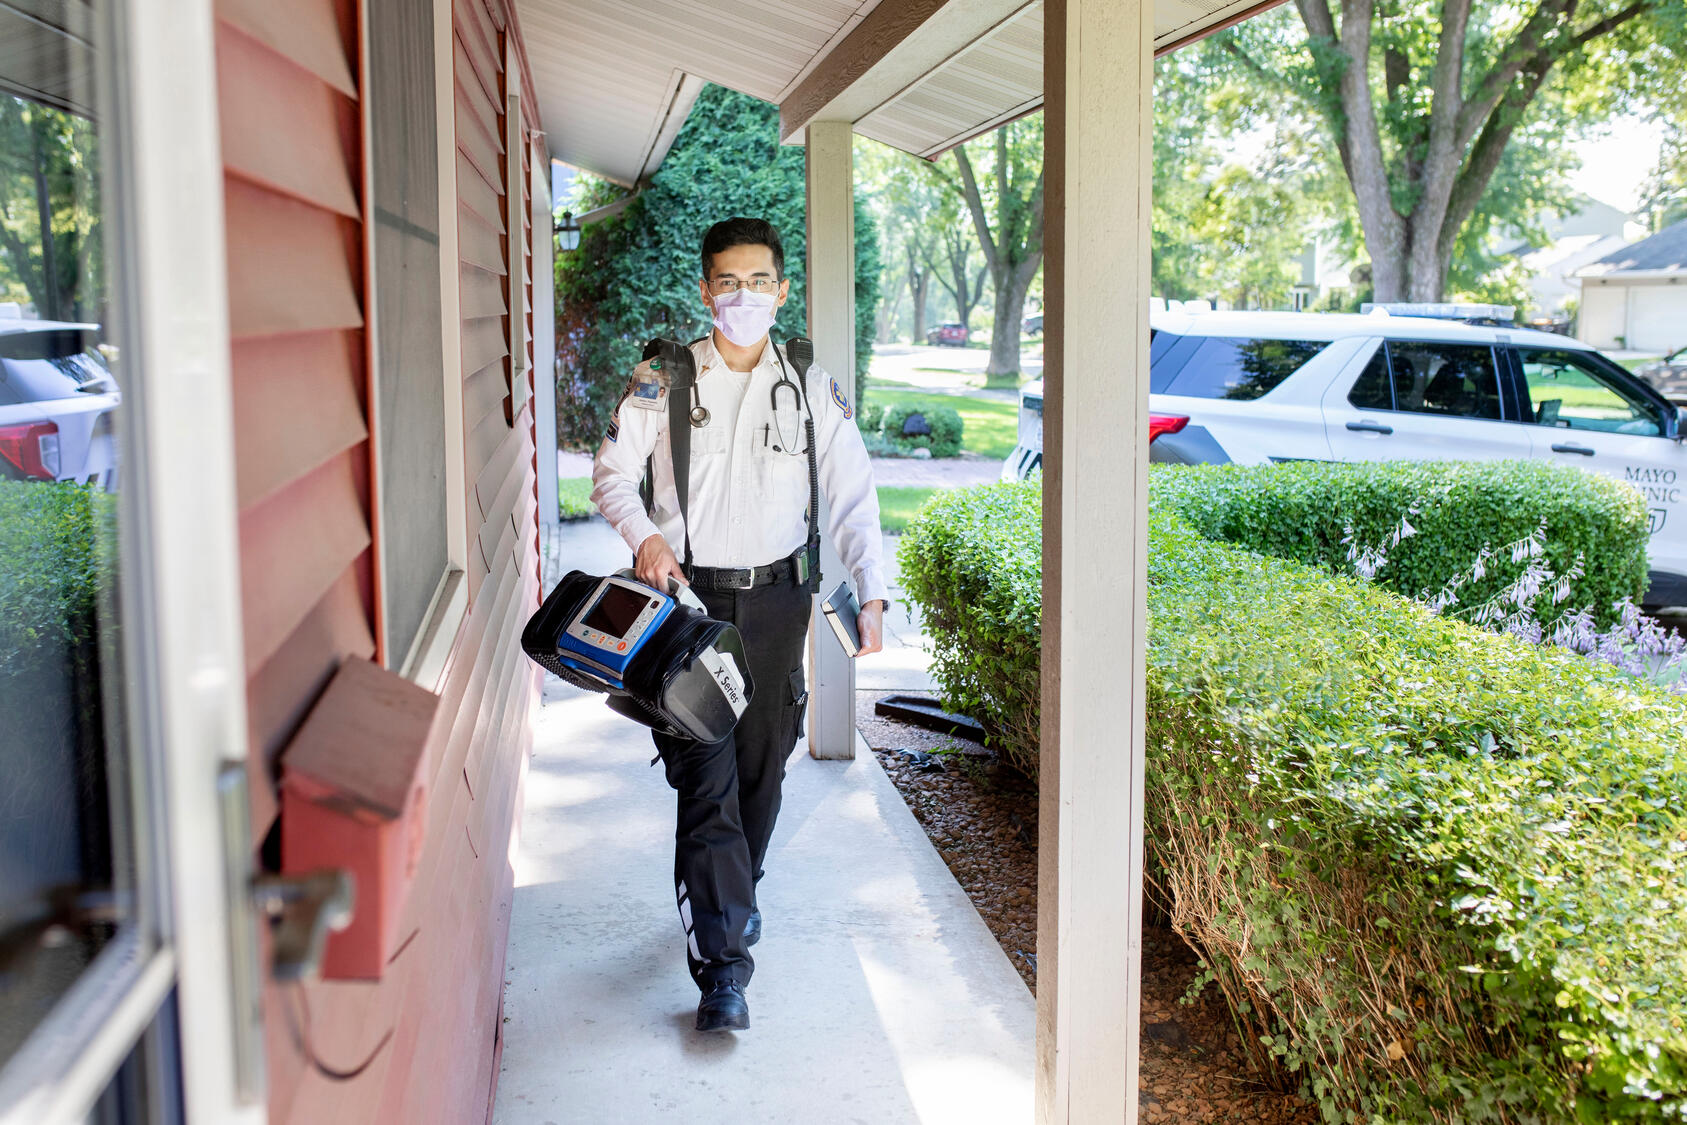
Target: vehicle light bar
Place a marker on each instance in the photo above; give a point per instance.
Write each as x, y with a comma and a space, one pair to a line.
1445, 310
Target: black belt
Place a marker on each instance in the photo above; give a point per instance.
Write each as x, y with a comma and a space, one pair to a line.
749, 577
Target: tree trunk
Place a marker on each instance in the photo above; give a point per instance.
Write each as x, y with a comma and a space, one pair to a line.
44, 208
960, 287
1003, 368
919, 280
884, 317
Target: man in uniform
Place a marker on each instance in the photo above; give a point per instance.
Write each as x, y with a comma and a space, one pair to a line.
748, 505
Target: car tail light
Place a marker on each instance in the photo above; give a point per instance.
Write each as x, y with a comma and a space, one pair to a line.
1165, 424
32, 448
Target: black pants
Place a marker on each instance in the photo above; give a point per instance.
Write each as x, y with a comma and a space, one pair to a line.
729, 790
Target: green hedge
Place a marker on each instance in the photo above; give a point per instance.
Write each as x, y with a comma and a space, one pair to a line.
972, 559
49, 568
1438, 873
1301, 511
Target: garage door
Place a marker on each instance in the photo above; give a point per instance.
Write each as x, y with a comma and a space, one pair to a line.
1657, 317
1604, 314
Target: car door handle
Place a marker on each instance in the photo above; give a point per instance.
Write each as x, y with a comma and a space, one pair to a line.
1563, 447
1369, 428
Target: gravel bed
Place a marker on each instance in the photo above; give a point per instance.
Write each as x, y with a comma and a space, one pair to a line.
982, 817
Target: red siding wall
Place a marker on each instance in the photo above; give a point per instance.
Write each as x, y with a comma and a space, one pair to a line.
418, 1046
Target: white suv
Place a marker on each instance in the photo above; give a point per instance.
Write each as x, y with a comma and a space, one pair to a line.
57, 404
1257, 387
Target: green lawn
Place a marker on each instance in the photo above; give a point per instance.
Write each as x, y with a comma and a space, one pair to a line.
898, 505
991, 426
574, 497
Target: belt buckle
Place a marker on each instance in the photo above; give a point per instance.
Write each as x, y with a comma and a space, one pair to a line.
749, 573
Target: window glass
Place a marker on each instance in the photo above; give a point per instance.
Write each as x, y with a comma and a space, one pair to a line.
1456, 380
1371, 391
66, 827
42, 380
1167, 352
409, 409
1567, 390
1227, 367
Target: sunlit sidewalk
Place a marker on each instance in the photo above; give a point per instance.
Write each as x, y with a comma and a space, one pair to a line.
879, 994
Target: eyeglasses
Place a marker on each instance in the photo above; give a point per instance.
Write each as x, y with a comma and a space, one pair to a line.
721, 286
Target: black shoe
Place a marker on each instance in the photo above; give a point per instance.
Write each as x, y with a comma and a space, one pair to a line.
723, 1008
752, 930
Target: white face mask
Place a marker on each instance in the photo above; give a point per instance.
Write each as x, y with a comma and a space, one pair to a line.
745, 317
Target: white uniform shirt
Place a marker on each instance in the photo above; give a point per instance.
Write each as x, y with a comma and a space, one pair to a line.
749, 494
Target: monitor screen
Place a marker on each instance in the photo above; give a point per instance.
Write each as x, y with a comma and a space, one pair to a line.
616, 611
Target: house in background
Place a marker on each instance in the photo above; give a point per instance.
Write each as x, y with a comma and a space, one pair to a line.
1325, 274
1572, 241
1635, 298
1593, 230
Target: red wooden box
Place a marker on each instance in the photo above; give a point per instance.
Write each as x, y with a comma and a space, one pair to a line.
353, 797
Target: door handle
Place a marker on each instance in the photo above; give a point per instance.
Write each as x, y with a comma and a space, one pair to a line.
1369, 428
1563, 447
303, 909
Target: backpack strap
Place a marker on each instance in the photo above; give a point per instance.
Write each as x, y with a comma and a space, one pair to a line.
681, 368
812, 547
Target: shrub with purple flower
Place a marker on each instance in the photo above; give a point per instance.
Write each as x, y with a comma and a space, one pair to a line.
1637, 644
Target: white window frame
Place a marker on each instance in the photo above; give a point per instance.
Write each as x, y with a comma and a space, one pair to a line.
424, 662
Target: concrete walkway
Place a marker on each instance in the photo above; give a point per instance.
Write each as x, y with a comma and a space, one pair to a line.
918, 472
880, 997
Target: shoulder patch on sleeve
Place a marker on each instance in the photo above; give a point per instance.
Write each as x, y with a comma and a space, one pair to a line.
842, 400
614, 431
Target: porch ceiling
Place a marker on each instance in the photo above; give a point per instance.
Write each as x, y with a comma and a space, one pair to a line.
616, 78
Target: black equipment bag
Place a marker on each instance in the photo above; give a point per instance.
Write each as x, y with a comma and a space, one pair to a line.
666, 685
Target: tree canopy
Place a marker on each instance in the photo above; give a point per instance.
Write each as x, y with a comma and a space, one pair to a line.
1447, 118
49, 211
635, 274
1225, 229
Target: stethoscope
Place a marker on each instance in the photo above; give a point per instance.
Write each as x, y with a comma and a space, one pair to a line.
785, 383
700, 413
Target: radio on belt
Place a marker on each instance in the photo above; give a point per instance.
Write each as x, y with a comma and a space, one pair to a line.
661, 659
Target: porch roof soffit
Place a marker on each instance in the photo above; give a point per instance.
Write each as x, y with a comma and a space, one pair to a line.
616, 78
926, 75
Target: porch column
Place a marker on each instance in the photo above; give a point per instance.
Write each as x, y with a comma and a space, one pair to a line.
831, 324
1098, 85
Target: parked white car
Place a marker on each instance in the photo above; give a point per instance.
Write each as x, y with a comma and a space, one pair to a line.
57, 404
1256, 387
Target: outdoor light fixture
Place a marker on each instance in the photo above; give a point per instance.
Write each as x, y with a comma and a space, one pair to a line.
568, 232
